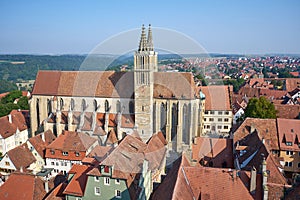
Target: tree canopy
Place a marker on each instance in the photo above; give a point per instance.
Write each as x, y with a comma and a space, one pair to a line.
260, 108
7, 103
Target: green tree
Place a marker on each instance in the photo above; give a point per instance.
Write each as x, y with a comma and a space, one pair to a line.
6, 86
23, 103
260, 108
11, 97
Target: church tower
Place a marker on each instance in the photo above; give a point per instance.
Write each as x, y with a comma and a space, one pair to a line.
145, 64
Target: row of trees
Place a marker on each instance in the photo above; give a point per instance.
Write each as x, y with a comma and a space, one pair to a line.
7, 103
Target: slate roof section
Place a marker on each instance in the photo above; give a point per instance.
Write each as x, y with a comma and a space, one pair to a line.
111, 84
216, 97
22, 186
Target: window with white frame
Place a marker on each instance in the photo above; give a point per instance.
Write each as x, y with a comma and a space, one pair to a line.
220, 112
65, 153
97, 191
97, 178
289, 153
106, 181
118, 194
117, 181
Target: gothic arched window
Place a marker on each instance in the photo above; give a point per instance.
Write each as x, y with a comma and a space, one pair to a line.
61, 103
83, 105
95, 105
72, 104
49, 106
106, 106
131, 107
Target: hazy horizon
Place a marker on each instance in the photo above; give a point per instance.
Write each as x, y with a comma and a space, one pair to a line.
220, 27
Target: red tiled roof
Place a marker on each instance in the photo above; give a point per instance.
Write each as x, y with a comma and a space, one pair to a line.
7, 129
112, 137
292, 83
57, 193
71, 142
21, 156
111, 84
40, 144
287, 111
266, 129
22, 186
290, 128
100, 152
196, 182
216, 97
76, 186
156, 150
218, 151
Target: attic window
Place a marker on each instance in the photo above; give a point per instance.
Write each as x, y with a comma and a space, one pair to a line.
65, 153
106, 169
76, 154
288, 143
127, 121
292, 130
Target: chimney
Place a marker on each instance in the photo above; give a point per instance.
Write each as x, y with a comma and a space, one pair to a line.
9, 118
43, 136
252, 128
46, 186
253, 181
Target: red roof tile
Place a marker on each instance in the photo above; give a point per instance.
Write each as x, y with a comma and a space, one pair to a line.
215, 151
22, 186
216, 97
41, 141
76, 186
71, 142
290, 129
111, 84
7, 129
194, 182
266, 129
21, 156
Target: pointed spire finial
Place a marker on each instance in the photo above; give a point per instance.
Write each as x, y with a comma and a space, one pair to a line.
149, 40
143, 44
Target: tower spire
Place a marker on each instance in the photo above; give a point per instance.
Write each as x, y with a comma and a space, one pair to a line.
143, 42
149, 40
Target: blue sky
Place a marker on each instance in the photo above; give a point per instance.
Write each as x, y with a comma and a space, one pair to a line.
220, 26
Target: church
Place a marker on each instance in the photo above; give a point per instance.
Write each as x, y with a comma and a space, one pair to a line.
110, 105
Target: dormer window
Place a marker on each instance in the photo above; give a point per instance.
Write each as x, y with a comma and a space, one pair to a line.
288, 143
77, 154
65, 153
52, 152
106, 169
